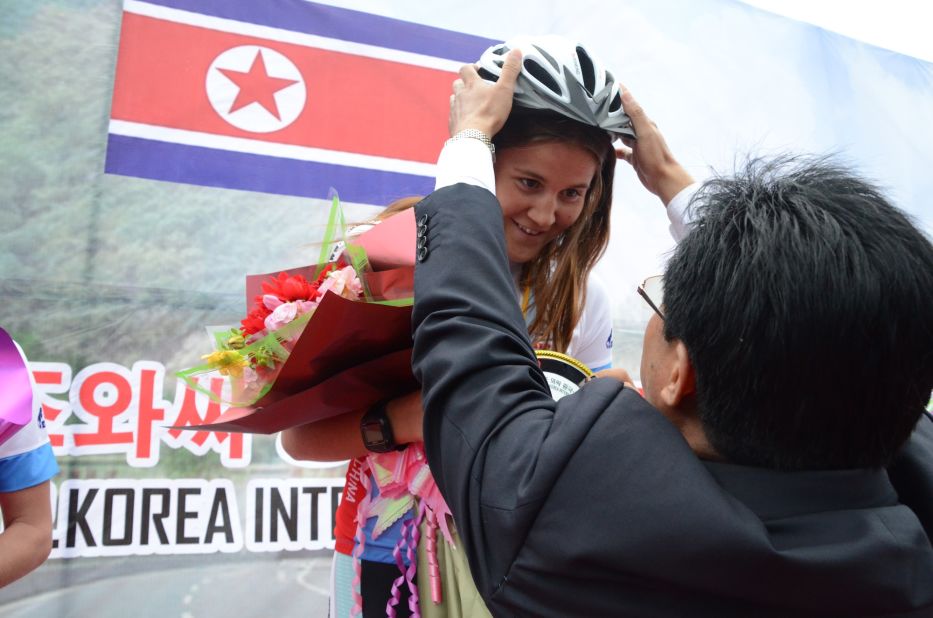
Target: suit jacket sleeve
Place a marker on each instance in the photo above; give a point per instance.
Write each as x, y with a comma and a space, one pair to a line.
496, 441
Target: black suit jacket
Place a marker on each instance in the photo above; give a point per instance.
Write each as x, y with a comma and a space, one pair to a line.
596, 506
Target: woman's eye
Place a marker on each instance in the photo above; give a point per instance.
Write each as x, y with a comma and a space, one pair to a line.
528, 183
573, 194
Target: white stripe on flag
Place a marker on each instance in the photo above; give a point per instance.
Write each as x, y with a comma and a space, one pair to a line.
272, 149
287, 36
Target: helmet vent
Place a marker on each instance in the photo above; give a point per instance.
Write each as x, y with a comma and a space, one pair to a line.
586, 67
562, 76
487, 75
542, 75
616, 104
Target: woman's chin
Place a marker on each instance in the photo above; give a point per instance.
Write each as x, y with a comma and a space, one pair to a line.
521, 257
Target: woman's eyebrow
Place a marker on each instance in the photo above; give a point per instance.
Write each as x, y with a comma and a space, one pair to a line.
530, 173
535, 176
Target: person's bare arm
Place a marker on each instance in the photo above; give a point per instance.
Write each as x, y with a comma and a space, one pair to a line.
338, 438
26, 540
332, 439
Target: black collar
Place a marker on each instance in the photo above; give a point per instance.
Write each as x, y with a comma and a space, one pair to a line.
773, 494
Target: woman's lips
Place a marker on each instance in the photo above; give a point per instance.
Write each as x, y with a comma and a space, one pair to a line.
528, 231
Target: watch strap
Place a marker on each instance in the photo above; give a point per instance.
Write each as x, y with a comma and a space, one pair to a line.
376, 429
477, 135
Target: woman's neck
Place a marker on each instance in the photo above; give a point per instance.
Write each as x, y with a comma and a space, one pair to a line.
516, 270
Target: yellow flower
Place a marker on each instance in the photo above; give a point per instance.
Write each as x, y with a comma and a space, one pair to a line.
227, 362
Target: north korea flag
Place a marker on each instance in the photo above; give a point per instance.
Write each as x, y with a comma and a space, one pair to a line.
282, 96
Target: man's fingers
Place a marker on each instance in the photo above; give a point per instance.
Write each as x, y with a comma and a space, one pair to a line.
616, 373
468, 73
624, 153
634, 111
457, 85
511, 69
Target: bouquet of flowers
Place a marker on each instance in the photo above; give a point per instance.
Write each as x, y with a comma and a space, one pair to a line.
319, 340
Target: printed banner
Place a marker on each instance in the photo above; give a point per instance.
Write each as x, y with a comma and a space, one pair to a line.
108, 409
282, 96
122, 517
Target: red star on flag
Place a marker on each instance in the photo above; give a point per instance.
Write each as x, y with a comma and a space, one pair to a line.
257, 86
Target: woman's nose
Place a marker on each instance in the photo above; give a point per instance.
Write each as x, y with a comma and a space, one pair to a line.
543, 211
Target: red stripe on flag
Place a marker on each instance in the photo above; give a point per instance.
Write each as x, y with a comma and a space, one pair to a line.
354, 104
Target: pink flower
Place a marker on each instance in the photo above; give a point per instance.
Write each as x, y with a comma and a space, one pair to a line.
305, 306
343, 282
281, 315
271, 301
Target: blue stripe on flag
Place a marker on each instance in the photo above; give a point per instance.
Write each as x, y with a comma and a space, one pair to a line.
143, 158
344, 24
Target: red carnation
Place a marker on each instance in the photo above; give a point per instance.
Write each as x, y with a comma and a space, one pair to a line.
320, 278
255, 321
289, 288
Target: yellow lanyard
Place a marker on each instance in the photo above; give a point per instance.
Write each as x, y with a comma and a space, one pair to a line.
526, 298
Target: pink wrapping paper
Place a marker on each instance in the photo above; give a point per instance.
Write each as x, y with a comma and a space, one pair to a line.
16, 398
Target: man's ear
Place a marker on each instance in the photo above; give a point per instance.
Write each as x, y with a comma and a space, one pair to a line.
681, 381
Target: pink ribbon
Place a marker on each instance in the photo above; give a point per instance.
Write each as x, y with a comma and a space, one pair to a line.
407, 473
407, 544
362, 510
434, 568
15, 389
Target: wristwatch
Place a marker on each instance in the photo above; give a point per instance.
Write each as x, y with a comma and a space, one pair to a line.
477, 135
376, 430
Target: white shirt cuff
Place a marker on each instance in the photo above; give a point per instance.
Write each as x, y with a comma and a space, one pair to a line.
680, 213
468, 161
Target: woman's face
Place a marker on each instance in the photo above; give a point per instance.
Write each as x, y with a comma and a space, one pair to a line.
542, 189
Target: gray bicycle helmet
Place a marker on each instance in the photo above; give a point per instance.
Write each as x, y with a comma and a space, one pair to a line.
563, 77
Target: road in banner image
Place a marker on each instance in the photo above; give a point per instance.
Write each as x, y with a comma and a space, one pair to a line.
244, 587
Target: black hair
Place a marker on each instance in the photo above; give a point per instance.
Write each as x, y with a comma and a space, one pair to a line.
803, 298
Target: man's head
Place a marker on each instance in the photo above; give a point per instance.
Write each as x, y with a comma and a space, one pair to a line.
801, 298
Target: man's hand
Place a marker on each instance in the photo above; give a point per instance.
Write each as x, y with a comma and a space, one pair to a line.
653, 161
478, 104
617, 373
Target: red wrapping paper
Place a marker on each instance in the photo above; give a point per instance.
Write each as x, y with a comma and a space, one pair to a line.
351, 354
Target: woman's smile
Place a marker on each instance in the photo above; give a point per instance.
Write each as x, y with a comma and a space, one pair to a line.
526, 230
542, 189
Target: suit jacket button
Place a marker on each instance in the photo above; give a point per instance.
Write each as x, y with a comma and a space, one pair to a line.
423, 220
422, 253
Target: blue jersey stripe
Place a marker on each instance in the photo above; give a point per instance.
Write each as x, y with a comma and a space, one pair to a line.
27, 469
